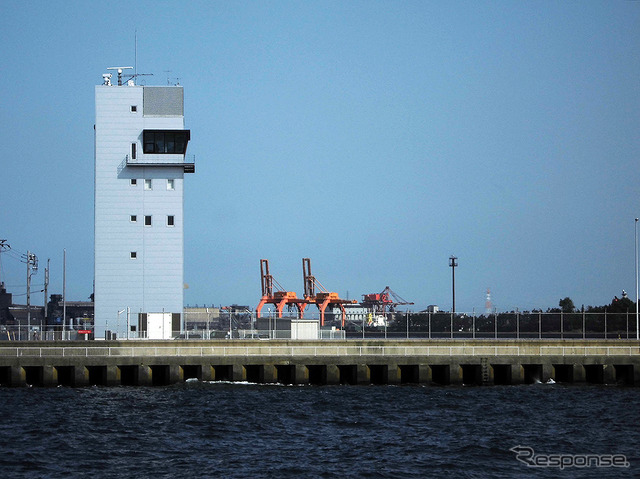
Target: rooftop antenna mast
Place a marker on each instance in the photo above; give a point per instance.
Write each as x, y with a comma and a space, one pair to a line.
135, 60
120, 72
129, 78
138, 75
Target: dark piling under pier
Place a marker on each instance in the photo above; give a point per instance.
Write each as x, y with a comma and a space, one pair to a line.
330, 362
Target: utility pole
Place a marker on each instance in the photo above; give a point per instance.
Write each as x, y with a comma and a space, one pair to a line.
3, 247
64, 289
32, 268
28, 294
453, 262
46, 290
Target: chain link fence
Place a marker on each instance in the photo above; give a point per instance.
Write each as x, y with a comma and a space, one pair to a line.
199, 325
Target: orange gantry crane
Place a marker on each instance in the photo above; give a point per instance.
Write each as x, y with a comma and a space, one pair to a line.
379, 302
323, 298
278, 298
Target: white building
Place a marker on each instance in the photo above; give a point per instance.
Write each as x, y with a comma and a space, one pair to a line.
140, 162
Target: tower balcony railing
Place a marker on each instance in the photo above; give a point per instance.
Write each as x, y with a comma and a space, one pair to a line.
188, 162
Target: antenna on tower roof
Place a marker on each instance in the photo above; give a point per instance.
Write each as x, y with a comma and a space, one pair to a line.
129, 80
120, 72
176, 80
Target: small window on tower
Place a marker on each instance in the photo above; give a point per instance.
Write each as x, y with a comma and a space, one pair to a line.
133, 151
171, 185
171, 221
147, 184
147, 220
133, 255
133, 182
134, 108
133, 218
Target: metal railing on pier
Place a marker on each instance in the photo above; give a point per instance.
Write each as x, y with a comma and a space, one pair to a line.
328, 350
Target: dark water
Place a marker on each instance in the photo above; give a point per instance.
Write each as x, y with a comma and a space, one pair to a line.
245, 430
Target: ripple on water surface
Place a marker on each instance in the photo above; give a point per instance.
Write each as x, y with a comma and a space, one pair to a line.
230, 430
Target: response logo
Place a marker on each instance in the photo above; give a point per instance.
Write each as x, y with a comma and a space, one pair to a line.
527, 455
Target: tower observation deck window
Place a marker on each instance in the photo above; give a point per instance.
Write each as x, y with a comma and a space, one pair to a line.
166, 141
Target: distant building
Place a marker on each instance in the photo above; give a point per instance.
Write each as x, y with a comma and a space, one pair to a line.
140, 163
18, 314
354, 313
79, 313
201, 318
6, 300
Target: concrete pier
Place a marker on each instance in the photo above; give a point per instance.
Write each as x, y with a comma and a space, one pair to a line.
330, 362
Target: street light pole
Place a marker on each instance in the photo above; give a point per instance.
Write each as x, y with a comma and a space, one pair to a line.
64, 290
453, 262
637, 312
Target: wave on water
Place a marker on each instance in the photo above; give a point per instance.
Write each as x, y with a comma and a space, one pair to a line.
244, 429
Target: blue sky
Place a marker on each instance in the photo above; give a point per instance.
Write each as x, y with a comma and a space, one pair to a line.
376, 138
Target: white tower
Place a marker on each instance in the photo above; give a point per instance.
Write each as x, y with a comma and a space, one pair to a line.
140, 162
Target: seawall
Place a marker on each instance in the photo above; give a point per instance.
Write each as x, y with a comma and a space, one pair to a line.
357, 362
